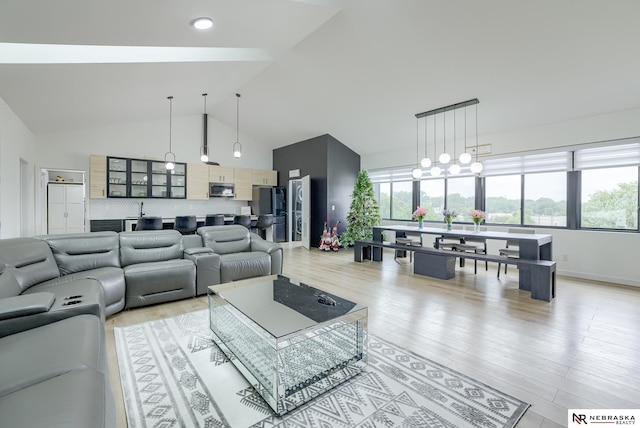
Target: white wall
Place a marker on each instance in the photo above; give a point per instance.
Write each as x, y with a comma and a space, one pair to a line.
16, 142
611, 126
150, 140
603, 256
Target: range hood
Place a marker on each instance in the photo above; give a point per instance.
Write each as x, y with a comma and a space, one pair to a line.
205, 123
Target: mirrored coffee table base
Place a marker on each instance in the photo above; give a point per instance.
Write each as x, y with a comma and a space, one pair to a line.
292, 342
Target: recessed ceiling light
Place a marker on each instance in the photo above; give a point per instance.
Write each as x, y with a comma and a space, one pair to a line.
203, 23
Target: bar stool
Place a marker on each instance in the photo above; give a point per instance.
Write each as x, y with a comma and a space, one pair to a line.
186, 224
149, 223
264, 222
214, 220
244, 220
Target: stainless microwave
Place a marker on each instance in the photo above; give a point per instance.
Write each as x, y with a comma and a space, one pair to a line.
221, 190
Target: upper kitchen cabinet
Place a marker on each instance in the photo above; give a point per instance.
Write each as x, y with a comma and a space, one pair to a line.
221, 174
243, 184
262, 177
117, 177
168, 184
139, 178
198, 185
136, 178
98, 177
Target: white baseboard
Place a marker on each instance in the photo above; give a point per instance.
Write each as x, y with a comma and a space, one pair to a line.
615, 280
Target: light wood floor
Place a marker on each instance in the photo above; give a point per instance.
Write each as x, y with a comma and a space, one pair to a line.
580, 351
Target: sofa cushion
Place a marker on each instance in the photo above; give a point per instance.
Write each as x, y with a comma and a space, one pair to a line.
9, 285
30, 262
84, 251
69, 344
238, 266
156, 282
226, 239
149, 246
79, 398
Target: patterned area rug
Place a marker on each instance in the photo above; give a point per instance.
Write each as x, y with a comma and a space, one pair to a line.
173, 375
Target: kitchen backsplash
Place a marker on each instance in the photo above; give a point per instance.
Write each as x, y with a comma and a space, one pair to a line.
112, 208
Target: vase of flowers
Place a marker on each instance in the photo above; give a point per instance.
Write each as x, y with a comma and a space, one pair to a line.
448, 217
477, 216
419, 214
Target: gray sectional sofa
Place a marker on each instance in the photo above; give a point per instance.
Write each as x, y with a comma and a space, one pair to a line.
57, 290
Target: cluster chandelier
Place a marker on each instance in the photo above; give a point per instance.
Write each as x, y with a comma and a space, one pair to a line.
445, 158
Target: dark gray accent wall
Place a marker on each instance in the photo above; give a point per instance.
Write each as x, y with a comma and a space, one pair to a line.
333, 169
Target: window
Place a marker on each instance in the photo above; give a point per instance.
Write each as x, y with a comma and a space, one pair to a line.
610, 198
383, 192
545, 199
432, 198
502, 199
593, 186
461, 195
401, 200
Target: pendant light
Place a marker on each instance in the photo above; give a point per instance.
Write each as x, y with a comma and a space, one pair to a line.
425, 162
204, 150
476, 167
444, 157
417, 171
454, 169
237, 147
170, 157
435, 169
465, 157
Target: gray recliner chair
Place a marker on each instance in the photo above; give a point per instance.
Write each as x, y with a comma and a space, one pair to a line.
32, 292
154, 269
232, 253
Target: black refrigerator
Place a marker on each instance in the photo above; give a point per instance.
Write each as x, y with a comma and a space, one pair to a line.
272, 200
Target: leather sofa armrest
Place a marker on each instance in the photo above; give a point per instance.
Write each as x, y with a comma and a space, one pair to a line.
197, 251
272, 248
207, 269
259, 244
28, 304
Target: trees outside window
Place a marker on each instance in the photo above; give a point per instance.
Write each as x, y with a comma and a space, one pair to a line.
610, 198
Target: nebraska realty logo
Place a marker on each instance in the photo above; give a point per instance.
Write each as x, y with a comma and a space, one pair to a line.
581, 417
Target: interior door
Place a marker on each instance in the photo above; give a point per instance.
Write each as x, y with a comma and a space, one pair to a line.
299, 211
306, 211
56, 209
293, 211
75, 208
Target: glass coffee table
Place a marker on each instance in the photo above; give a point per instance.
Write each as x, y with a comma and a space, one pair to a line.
291, 341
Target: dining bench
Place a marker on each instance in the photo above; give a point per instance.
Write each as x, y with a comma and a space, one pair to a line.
539, 275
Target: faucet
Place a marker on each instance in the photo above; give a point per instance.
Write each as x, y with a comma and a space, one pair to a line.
141, 207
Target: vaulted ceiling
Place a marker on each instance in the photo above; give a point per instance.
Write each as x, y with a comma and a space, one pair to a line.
356, 69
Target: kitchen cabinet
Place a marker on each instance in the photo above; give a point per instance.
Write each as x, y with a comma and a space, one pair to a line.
117, 177
198, 184
262, 177
138, 178
243, 188
168, 184
65, 208
98, 177
221, 174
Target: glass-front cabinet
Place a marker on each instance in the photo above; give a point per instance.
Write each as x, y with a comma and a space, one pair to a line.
178, 181
139, 178
158, 180
117, 177
136, 178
